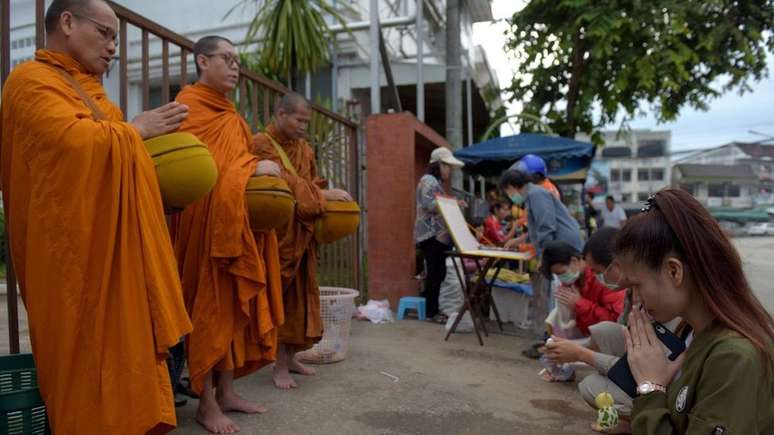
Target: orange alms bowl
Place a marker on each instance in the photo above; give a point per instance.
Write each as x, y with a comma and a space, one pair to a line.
341, 219
185, 168
270, 203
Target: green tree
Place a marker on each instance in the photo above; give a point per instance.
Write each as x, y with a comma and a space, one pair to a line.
292, 35
584, 64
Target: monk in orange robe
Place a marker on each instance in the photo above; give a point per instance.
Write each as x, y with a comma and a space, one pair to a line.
231, 276
284, 139
89, 242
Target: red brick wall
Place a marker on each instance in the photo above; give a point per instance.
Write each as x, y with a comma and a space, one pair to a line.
398, 150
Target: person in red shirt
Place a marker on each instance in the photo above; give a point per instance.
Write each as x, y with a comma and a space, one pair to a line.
582, 302
494, 232
580, 291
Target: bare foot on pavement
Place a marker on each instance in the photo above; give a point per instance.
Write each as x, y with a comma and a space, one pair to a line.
231, 402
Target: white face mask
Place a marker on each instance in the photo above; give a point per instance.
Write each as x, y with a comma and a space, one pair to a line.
603, 281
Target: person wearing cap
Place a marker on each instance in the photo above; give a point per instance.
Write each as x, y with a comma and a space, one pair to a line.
430, 233
534, 166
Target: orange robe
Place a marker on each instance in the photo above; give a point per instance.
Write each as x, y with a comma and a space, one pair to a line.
92, 253
298, 248
231, 277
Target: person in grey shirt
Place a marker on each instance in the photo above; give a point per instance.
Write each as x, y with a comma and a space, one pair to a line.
548, 219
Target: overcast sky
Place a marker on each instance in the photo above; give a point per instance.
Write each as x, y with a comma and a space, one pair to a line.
730, 117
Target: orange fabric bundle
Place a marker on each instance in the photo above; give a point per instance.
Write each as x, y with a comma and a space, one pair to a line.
231, 277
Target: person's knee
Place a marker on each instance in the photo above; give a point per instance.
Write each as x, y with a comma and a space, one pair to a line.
587, 389
605, 327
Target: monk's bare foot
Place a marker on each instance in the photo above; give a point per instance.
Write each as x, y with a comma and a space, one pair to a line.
282, 378
231, 402
298, 368
213, 419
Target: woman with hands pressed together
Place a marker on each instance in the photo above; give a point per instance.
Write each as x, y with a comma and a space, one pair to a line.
676, 258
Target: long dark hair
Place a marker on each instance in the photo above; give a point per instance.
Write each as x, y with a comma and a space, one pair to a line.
675, 223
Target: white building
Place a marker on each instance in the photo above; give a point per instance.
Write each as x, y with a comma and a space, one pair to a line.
753, 165
717, 186
346, 81
639, 163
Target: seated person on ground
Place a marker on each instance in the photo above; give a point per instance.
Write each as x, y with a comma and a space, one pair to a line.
606, 344
586, 299
582, 301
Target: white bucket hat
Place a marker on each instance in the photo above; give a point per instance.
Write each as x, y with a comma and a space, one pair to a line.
445, 155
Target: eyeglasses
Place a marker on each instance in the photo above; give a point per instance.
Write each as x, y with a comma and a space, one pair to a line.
614, 275
105, 32
228, 59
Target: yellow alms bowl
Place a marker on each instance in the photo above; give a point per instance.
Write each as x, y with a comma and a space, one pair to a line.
184, 166
270, 203
341, 219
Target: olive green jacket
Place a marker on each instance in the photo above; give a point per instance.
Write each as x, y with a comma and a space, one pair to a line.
725, 388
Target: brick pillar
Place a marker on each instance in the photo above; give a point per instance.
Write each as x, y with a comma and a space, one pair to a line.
398, 150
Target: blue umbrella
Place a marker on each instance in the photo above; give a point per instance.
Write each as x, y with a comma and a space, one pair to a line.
566, 158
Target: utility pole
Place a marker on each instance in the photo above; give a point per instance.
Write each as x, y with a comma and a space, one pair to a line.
454, 81
374, 31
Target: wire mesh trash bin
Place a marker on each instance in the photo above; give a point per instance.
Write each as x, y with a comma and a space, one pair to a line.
336, 308
22, 411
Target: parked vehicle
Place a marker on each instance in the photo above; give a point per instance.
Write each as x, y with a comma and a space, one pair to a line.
733, 229
761, 229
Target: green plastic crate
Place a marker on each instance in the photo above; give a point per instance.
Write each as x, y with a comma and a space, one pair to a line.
22, 411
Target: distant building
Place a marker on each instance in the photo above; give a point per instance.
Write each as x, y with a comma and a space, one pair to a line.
717, 186
639, 163
759, 157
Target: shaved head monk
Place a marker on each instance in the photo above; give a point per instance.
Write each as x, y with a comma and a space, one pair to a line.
231, 276
285, 140
89, 240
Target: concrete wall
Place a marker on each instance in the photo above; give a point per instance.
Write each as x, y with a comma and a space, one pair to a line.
398, 149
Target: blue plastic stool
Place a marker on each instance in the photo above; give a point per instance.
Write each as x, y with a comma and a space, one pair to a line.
411, 303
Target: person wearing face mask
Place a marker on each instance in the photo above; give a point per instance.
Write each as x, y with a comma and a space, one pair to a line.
678, 260
548, 219
582, 301
606, 340
430, 233
534, 166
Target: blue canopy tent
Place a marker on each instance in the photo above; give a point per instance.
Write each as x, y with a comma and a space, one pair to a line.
568, 160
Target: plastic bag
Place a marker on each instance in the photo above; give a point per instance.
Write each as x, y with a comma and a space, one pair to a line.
376, 311
450, 299
465, 325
